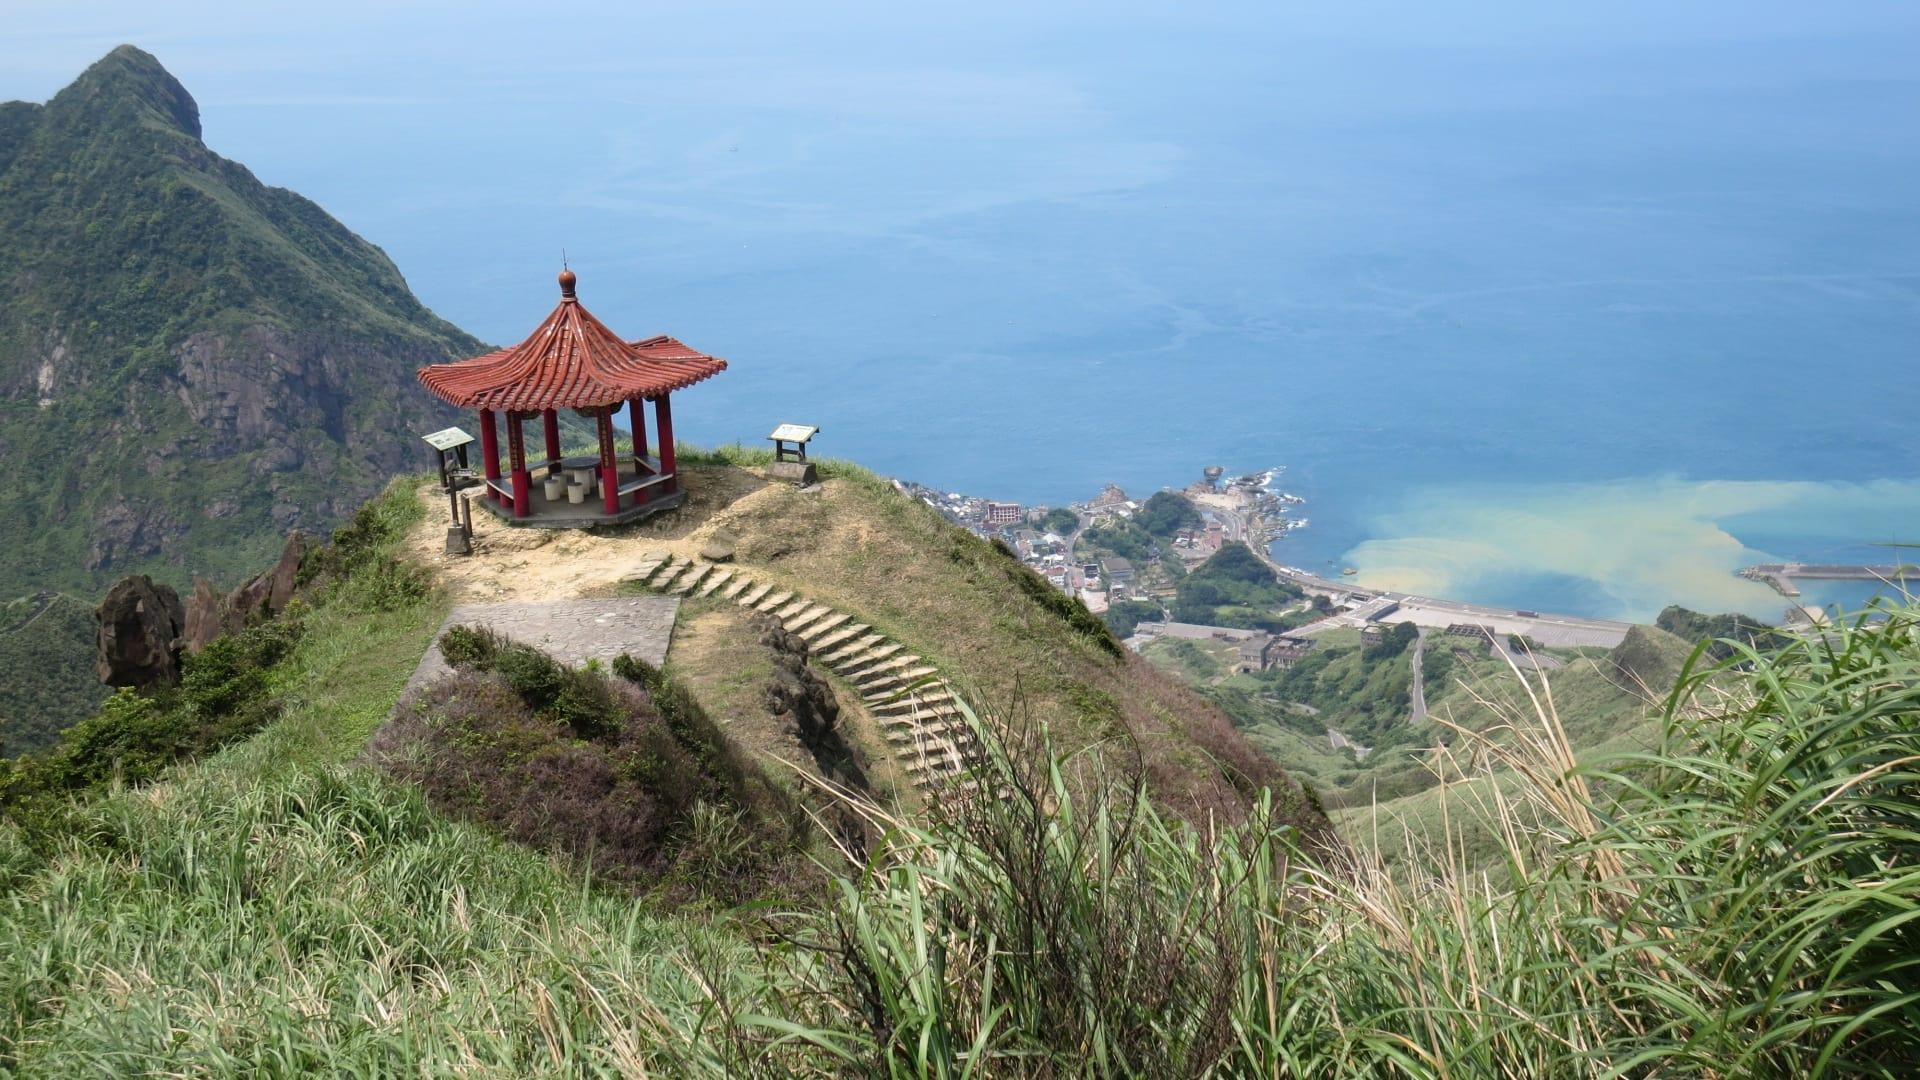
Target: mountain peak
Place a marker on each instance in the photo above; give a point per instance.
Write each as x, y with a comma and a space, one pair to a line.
132, 74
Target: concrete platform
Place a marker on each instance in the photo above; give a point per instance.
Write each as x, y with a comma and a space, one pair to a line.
572, 631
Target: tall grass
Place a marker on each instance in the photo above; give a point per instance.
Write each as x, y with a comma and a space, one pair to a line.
1743, 900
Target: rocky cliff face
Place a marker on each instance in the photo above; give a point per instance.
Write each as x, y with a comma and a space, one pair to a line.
192, 363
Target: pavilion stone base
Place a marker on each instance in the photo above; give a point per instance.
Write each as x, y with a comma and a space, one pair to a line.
566, 515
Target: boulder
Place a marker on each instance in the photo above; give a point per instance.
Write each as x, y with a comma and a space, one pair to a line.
719, 546
141, 622
286, 573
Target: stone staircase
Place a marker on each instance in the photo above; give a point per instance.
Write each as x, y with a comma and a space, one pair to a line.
923, 720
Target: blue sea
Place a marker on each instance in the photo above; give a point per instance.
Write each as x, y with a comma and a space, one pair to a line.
1564, 307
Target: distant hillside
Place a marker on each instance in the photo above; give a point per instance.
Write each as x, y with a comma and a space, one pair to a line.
46, 669
1365, 694
191, 362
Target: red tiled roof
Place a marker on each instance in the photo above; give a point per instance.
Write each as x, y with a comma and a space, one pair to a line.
571, 361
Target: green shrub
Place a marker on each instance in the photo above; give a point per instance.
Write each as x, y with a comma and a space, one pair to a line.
1059, 521
1124, 617
1165, 514
1233, 588
581, 700
360, 568
225, 694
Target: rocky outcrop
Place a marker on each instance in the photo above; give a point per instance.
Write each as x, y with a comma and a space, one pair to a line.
261, 597
266, 595
796, 694
206, 616
140, 634
122, 531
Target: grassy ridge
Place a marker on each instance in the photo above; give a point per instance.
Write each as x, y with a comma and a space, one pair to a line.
1742, 899
1008, 640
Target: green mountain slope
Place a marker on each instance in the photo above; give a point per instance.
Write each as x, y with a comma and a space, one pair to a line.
191, 362
46, 669
1365, 695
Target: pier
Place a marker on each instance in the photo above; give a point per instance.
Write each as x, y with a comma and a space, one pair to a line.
1781, 576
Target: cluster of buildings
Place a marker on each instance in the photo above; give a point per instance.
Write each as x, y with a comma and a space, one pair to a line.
1103, 582
1097, 583
1194, 545
1256, 650
983, 516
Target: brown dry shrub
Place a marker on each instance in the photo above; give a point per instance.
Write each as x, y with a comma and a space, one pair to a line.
627, 777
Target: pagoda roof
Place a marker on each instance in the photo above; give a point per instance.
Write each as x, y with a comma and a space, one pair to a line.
571, 361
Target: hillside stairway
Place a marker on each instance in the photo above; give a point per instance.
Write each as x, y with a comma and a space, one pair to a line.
925, 723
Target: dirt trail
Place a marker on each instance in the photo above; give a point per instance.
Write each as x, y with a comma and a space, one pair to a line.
510, 564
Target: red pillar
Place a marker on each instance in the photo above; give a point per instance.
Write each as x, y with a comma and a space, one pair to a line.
552, 421
489, 452
609, 469
663, 418
637, 413
639, 417
517, 452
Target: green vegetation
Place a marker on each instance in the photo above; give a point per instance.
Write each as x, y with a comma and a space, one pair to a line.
1122, 618
1059, 521
1722, 633
1365, 694
1118, 537
228, 691
1744, 906
1197, 662
47, 681
1737, 901
1233, 588
1165, 514
196, 361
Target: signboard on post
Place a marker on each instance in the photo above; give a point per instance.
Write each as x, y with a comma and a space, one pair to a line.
447, 439
790, 462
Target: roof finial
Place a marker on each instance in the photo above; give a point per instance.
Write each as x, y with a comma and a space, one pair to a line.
567, 277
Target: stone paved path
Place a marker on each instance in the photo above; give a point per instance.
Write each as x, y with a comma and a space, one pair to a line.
572, 631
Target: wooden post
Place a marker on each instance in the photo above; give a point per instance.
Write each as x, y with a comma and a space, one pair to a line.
489, 452
552, 421
517, 452
609, 468
663, 418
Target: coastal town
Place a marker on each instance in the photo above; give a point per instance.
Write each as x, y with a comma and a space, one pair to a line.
1248, 509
